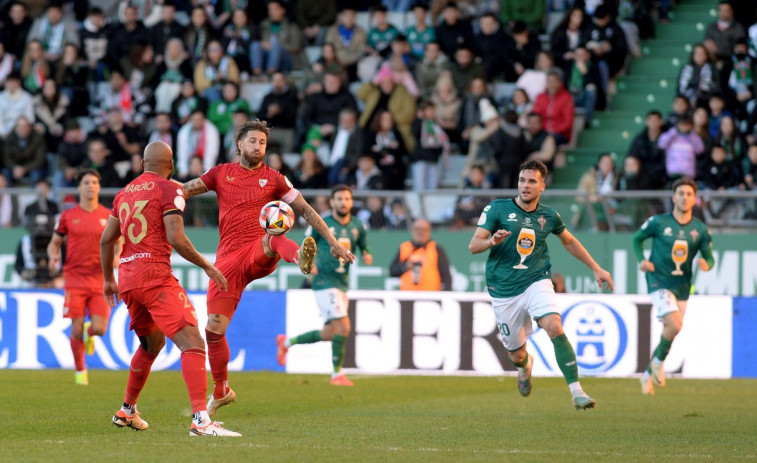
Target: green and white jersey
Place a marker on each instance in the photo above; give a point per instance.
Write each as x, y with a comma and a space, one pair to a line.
380, 40
523, 257
674, 247
331, 272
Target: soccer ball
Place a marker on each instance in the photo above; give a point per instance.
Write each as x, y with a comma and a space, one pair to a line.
276, 217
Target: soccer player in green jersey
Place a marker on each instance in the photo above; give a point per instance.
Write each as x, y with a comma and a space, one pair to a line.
330, 283
676, 238
518, 275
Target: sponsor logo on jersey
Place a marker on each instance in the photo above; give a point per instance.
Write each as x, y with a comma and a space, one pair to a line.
230, 179
139, 255
263, 182
512, 217
668, 231
541, 221
680, 233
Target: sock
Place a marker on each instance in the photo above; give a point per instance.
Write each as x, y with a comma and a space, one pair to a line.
138, 373
218, 354
661, 352
576, 389
566, 358
201, 418
305, 338
129, 409
77, 347
285, 247
337, 352
195, 376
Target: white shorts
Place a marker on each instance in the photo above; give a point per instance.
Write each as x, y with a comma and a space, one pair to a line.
332, 303
514, 314
665, 302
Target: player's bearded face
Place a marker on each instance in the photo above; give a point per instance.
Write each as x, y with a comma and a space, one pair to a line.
530, 185
252, 147
341, 203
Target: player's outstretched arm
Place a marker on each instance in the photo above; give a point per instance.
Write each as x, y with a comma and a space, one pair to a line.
483, 240
577, 250
53, 252
174, 224
193, 187
111, 235
304, 209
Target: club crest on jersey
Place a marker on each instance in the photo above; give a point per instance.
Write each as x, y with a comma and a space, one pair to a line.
511, 217
541, 221
354, 233
694, 234
263, 182
103, 222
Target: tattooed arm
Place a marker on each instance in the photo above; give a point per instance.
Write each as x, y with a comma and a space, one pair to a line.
193, 187
302, 208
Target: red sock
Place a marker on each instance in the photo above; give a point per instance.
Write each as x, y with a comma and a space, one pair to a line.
285, 247
218, 354
193, 371
77, 347
138, 373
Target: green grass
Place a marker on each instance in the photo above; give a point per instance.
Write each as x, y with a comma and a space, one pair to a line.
406, 418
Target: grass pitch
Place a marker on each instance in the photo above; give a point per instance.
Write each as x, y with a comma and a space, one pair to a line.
45, 417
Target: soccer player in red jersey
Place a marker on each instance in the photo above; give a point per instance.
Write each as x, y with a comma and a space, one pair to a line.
243, 189
148, 212
81, 227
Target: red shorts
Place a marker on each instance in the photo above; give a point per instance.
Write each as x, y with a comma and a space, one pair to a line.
166, 307
240, 268
79, 302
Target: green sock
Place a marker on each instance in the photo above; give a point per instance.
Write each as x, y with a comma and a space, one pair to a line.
523, 363
306, 338
566, 358
337, 352
661, 352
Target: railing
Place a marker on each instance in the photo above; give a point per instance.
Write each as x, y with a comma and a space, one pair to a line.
460, 208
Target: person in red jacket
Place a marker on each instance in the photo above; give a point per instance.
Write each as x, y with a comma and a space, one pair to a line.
555, 106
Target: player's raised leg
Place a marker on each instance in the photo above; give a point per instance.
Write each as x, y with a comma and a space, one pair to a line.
150, 346
566, 360
672, 323
524, 363
303, 255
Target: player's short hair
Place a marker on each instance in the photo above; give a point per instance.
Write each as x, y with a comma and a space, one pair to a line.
80, 176
340, 187
255, 125
535, 165
685, 181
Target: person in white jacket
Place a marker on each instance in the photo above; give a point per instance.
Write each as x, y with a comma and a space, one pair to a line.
15, 103
198, 137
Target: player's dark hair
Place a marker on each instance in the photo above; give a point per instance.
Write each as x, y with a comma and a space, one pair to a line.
255, 125
685, 181
340, 187
80, 176
535, 165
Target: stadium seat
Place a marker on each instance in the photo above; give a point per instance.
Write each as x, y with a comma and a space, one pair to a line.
397, 19
313, 53
450, 176
363, 19
254, 92
503, 91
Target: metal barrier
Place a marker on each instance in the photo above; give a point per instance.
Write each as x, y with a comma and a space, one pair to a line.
460, 208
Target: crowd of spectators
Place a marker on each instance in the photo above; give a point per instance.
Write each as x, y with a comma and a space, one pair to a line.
710, 133
89, 84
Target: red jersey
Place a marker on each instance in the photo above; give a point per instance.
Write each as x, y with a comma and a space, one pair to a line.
242, 193
140, 207
82, 230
